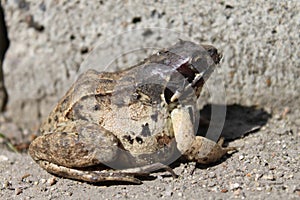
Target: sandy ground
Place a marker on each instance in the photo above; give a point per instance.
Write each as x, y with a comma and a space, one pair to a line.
266, 166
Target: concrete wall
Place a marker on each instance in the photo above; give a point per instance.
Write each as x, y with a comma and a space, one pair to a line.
50, 39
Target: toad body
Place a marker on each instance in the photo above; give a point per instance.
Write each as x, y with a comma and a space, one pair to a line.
116, 126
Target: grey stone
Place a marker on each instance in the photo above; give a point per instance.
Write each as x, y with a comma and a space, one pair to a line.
4, 44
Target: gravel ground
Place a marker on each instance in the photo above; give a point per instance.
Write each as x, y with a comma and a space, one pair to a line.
266, 166
260, 43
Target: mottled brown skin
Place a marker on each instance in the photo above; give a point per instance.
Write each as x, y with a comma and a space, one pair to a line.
115, 126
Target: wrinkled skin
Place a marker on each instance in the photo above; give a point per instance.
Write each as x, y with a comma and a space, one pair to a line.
115, 126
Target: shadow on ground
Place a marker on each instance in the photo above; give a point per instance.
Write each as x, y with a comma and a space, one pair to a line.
240, 120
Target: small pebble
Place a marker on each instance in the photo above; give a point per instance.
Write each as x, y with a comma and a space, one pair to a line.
257, 176
268, 188
268, 177
211, 184
51, 181
18, 191
289, 176
277, 117
69, 193
43, 181
3, 158
6, 184
212, 175
25, 176
168, 193
234, 186
224, 190
237, 192
247, 161
285, 112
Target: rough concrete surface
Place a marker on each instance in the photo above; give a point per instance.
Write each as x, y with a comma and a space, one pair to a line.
50, 39
260, 73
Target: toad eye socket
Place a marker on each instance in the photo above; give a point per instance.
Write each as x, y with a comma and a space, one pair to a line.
212, 51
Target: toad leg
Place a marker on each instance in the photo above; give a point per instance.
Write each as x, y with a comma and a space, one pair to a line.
76, 144
81, 151
195, 148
